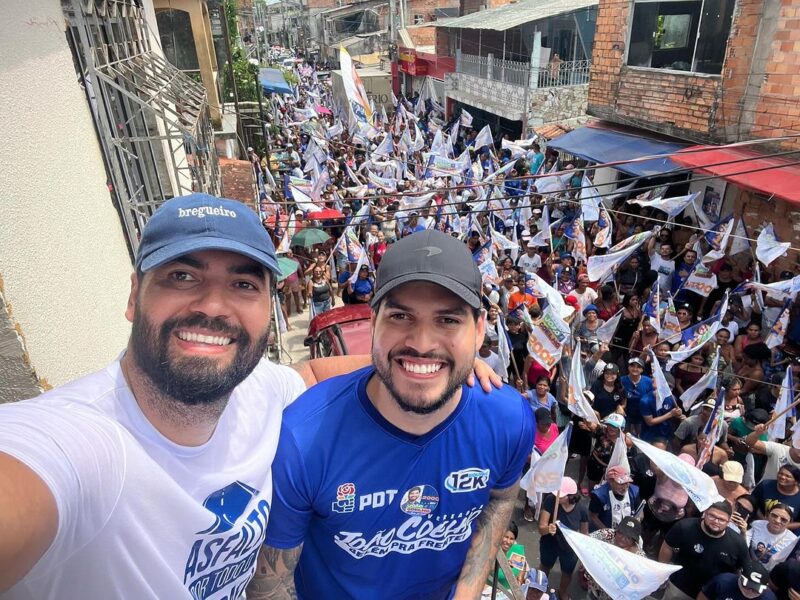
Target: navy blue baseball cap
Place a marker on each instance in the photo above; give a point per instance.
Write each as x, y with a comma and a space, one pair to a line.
203, 222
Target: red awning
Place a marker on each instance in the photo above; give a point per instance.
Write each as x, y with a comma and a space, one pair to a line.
746, 169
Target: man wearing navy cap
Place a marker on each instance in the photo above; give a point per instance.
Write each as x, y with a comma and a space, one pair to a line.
397, 481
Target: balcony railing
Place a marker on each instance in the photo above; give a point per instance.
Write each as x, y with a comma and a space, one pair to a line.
554, 74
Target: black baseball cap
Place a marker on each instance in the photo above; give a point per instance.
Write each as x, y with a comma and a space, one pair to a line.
431, 256
754, 577
630, 528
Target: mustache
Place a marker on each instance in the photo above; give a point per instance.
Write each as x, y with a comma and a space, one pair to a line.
214, 324
411, 353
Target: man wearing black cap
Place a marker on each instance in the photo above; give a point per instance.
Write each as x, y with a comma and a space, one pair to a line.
353, 448
749, 584
626, 535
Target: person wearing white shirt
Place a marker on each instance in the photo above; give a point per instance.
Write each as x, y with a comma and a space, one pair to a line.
530, 262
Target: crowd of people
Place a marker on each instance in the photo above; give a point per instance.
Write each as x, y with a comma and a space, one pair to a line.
677, 347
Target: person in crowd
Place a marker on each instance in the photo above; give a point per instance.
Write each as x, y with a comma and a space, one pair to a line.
704, 547
626, 535
750, 583
609, 502
770, 540
320, 290
553, 547
784, 489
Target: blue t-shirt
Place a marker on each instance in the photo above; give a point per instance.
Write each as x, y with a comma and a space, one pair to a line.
648, 406
635, 393
362, 287
382, 513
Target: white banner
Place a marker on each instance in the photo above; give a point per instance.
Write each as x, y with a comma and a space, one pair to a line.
701, 280
623, 575
777, 431
706, 382
671, 206
768, 248
700, 487
547, 470
576, 401
605, 333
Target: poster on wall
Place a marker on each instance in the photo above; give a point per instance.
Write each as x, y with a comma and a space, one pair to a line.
712, 203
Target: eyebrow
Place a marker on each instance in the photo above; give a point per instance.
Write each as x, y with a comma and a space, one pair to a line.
453, 310
250, 268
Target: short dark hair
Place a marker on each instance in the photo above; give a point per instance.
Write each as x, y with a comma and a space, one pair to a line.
722, 506
512, 527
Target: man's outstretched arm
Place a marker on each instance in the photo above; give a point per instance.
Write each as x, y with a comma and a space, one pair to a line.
491, 526
274, 578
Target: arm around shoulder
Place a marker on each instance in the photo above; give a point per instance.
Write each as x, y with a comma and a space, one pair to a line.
274, 578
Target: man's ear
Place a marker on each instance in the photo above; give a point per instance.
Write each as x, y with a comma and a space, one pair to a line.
130, 309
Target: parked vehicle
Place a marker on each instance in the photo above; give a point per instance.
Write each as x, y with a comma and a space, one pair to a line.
340, 331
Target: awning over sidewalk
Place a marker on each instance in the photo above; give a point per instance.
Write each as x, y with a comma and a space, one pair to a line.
747, 169
601, 145
272, 80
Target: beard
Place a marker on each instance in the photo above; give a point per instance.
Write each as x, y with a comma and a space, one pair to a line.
197, 380
411, 404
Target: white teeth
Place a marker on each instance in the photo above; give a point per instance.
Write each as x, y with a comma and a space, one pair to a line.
421, 369
215, 340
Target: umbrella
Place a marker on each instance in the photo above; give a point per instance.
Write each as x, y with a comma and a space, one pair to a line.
287, 266
322, 110
325, 214
307, 237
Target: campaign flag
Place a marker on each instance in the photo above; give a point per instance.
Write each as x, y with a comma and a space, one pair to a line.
362, 215
712, 429
706, 382
619, 455
672, 206
605, 333
661, 389
768, 248
740, 242
578, 233
322, 181
777, 431
516, 149
503, 344
702, 280
500, 241
623, 575
349, 246
576, 401
652, 308
484, 138
701, 488
693, 339
303, 201
590, 200
334, 130
796, 434
621, 191
501, 171
357, 98
437, 145
363, 260
718, 238
483, 258
382, 182
466, 118
670, 326
385, 148
545, 233
547, 338
599, 267
602, 238
547, 470
779, 327
538, 287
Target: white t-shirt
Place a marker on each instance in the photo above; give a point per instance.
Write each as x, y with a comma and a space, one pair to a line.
664, 268
585, 298
529, 264
140, 516
769, 548
777, 456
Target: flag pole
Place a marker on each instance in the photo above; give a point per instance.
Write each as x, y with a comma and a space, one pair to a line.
783, 412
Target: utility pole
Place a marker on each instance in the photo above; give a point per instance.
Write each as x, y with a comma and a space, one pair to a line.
392, 22
533, 78
231, 75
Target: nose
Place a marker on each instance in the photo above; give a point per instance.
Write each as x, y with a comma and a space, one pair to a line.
419, 337
211, 300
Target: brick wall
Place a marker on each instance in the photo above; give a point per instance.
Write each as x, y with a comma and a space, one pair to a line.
426, 8
442, 42
714, 109
422, 36
318, 4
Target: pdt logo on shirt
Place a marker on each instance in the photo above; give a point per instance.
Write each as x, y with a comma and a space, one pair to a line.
467, 480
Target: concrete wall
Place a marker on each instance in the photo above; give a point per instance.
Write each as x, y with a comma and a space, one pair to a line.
547, 105
63, 260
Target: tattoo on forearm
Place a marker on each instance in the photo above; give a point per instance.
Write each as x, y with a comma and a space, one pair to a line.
274, 577
489, 531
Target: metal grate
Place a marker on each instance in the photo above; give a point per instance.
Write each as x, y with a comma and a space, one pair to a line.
152, 120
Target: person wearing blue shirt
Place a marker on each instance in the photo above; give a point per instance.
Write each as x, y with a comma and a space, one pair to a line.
398, 481
413, 225
636, 386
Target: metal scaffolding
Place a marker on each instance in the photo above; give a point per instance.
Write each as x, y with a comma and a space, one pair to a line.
152, 120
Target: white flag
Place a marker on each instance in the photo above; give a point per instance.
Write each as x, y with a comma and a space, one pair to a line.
590, 199
484, 138
619, 456
700, 487
706, 382
547, 470
576, 401
777, 431
466, 118
719, 252
661, 389
547, 339
363, 260
437, 145
768, 248
671, 206
605, 333
701, 280
623, 575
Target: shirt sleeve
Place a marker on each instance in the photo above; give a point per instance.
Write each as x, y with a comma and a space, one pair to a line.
80, 456
521, 450
595, 505
674, 535
292, 500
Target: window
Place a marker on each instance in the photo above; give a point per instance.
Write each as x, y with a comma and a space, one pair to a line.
680, 35
419, 19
